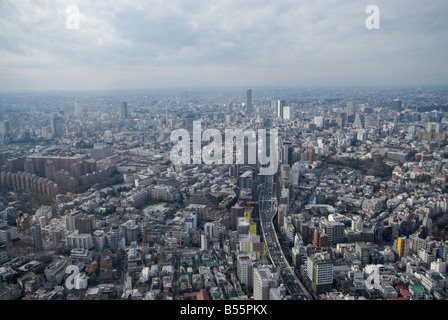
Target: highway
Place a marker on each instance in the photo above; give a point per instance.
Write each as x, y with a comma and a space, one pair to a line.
267, 210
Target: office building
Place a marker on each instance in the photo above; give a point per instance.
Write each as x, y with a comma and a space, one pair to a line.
320, 272
350, 111
124, 110
401, 247
319, 122
6, 233
278, 106
99, 238
36, 234
77, 240
79, 110
188, 123
55, 271
288, 113
245, 269
236, 212
335, 231
57, 126
249, 105
363, 251
10, 292
85, 223
264, 279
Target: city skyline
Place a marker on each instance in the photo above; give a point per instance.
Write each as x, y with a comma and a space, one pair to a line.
166, 44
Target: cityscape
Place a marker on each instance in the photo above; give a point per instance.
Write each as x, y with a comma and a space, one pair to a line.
93, 208
223, 157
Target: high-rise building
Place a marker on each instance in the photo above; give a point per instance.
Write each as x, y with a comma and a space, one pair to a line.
229, 108
249, 105
245, 269
280, 105
112, 239
246, 180
6, 233
77, 240
5, 127
320, 272
70, 220
36, 234
236, 212
358, 122
319, 122
335, 231
264, 279
130, 231
274, 106
99, 238
79, 110
363, 252
124, 110
57, 126
288, 113
85, 223
350, 111
396, 104
401, 246
204, 242
286, 155
188, 123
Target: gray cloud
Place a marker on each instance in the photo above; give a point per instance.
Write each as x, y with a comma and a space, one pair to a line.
176, 43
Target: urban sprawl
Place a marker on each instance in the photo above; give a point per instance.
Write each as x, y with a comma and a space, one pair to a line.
93, 208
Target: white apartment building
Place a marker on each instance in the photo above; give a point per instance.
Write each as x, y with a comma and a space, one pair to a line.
264, 280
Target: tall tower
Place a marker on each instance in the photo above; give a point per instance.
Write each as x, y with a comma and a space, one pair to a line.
36, 234
249, 106
79, 110
166, 117
123, 110
57, 126
280, 106
350, 111
401, 244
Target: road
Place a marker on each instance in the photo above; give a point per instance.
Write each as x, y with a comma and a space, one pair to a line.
267, 211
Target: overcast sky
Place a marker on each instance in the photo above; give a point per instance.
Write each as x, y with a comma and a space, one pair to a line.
196, 43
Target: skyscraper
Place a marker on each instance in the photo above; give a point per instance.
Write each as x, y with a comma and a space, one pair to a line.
287, 113
229, 108
319, 122
57, 126
124, 110
280, 104
188, 122
36, 234
249, 106
350, 111
79, 110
